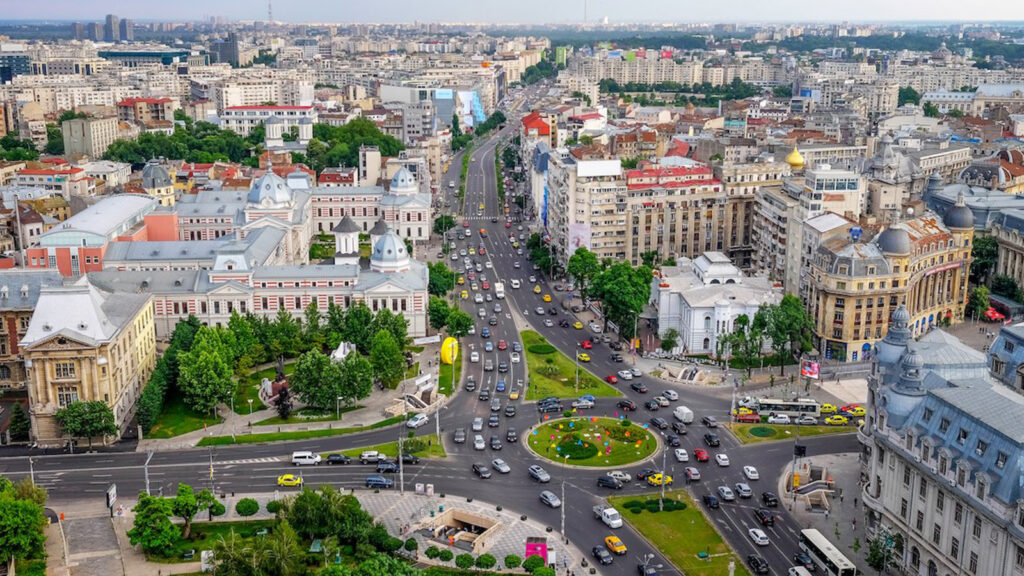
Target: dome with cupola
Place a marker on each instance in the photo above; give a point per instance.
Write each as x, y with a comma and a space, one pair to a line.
270, 190
389, 254
404, 182
795, 159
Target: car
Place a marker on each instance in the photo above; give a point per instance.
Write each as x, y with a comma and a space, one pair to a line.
682, 455
769, 499
495, 442
502, 345
478, 442
726, 494
539, 310
583, 357
549, 408
692, 474
492, 321
625, 374
513, 393
465, 224
616, 357
470, 384
464, 295
485, 333
614, 544
758, 565
662, 401
722, 459
417, 421
743, 490
500, 465
577, 325
533, 280
517, 347
803, 559
644, 473
459, 436
478, 423
608, 482
502, 367
710, 500
583, 404
510, 410
749, 418
481, 470
671, 395
289, 480
779, 419
806, 420
701, 455
828, 408
658, 479
602, 555
338, 459
546, 298
646, 570
854, 411
712, 440
539, 474
673, 440
492, 421
709, 421
586, 344
549, 322
455, 257
611, 379
596, 329
758, 536
516, 265
764, 516
678, 427
627, 405
479, 298
410, 459
639, 387
837, 420
751, 473
387, 467
485, 285
620, 476
742, 411
659, 423
548, 497
488, 346
500, 386
511, 435
485, 394
652, 405
379, 482
495, 404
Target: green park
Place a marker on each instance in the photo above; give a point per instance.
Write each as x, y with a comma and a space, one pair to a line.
592, 441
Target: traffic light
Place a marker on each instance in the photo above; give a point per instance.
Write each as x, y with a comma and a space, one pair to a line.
799, 450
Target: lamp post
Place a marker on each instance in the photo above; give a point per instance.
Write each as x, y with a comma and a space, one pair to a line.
145, 468
32, 470
577, 368
250, 406
664, 477
337, 408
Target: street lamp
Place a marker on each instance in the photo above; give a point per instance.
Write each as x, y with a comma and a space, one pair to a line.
337, 408
250, 406
577, 368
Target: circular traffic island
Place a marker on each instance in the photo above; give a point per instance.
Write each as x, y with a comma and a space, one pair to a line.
763, 431
592, 441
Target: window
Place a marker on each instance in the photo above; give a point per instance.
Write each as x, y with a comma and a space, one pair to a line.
1000, 460
922, 492
961, 476
906, 475
961, 436
936, 534
919, 524
976, 527
943, 425
940, 500
943, 465
67, 395
972, 564
1019, 561
903, 508
958, 513
64, 369
927, 414
954, 547
979, 488
981, 447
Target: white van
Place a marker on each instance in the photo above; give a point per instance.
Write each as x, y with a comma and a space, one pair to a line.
305, 458
683, 414
798, 571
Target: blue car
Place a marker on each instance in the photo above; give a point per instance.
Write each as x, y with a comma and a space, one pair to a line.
379, 482
488, 346
485, 333
501, 386
588, 397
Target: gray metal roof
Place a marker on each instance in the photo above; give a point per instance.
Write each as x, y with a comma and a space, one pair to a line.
19, 289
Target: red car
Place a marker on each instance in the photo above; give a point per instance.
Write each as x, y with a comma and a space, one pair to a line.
481, 251
586, 344
502, 345
471, 275
700, 454
508, 224
611, 379
465, 224
748, 418
486, 285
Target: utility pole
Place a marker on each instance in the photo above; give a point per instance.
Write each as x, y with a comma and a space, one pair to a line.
577, 368
31, 469
145, 468
211, 471
664, 456
401, 431
562, 509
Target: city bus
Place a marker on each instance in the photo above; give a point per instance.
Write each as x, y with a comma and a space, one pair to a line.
792, 408
829, 559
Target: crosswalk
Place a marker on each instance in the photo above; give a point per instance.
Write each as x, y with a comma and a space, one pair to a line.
265, 460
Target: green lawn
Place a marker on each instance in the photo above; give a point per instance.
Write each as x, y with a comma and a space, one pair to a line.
624, 449
554, 374
414, 349
206, 534
444, 380
412, 371
35, 567
296, 435
306, 415
177, 419
682, 534
248, 387
754, 433
434, 450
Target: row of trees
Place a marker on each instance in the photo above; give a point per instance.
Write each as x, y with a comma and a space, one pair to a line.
462, 139
21, 520
442, 315
194, 142
786, 326
622, 289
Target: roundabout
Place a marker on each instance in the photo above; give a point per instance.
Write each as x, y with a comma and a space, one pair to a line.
592, 442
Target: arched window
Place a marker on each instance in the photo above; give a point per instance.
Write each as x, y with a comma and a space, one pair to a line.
915, 557
707, 343
707, 323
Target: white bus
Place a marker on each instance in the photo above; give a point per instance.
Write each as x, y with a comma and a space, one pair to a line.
792, 408
829, 559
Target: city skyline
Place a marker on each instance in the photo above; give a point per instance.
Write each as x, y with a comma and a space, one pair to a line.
534, 11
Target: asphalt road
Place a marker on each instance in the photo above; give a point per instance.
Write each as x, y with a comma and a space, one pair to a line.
254, 468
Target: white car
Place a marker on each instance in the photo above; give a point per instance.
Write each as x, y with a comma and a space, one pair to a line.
625, 375
549, 322
662, 401
636, 372
806, 420
751, 473
417, 421
747, 402
479, 298
726, 494
488, 265
620, 476
722, 459
682, 455
583, 403
514, 357
779, 419
474, 357
758, 536
478, 424
595, 327
500, 466
478, 442
671, 395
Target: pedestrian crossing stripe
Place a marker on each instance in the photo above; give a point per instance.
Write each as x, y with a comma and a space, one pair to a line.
252, 460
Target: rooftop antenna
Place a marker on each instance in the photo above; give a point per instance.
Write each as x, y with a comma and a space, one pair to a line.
270, 11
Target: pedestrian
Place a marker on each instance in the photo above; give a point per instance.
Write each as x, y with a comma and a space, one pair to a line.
854, 523
826, 514
854, 501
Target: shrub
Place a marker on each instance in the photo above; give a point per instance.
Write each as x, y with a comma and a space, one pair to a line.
486, 561
432, 552
542, 349
533, 563
632, 503
411, 545
274, 506
625, 423
247, 507
392, 544
464, 561
512, 561
415, 446
217, 509
575, 448
445, 555
544, 571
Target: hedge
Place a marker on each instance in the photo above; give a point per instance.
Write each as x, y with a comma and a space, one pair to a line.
464, 561
247, 507
217, 509
274, 506
542, 349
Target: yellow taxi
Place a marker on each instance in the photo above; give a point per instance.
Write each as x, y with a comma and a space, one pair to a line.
474, 286
289, 480
856, 411
615, 545
464, 295
837, 420
828, 408
536, 289
578, 325
460, 281
583, 357
547, 297
657, 479
515, 244
741, 411
480, 207
472, 251
513, 394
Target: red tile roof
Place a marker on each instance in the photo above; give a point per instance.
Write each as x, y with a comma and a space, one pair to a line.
133, 101
533, 121
50, 172
269, 108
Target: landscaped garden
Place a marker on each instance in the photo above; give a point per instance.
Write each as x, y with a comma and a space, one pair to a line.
295, 434
681, 532
551, 373
754, 433
308, 415
592, 441
177, 419
423, 446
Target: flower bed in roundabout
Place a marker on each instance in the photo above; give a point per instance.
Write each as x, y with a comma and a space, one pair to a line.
592, 441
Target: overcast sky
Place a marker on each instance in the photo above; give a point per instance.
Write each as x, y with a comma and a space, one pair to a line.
521, 11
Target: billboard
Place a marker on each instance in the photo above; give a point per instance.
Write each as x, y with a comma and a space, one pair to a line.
809, 369
579, 236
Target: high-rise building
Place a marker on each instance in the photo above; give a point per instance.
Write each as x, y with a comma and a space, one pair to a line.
88, 136
94, 31
112, 30
78, 31
127, 29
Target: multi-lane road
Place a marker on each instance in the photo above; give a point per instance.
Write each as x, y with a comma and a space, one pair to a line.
254, 468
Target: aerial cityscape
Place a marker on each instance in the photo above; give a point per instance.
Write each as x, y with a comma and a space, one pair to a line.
451, 289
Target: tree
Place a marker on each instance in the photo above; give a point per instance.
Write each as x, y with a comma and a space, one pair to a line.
443, 223
670, 340
930, 110
393, 323
788, 325
1006, 286
441, 280
379, 564
459, 323
20, 423
284, 403
21, 520
187, 503
247, 507
977, 303
908, 96
87, 419
283, 554
984, 253
583, 266
955, 113
204, 372
311, 327
153, 529
512, 561
746, 340
464, 561
650, 258
532, 563
54, 140
26, 489
316, 380
486, 561
387, 359
629, 163
356, 378
623, 291
287, 335
437, 311
357, 326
